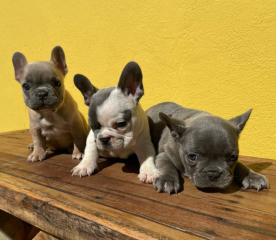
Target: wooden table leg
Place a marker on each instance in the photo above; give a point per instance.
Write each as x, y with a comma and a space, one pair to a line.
12, 228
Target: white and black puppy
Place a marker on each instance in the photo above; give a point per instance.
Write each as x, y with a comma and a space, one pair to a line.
119, 125
200, 146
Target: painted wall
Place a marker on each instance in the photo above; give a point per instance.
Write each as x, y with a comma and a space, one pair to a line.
218, 56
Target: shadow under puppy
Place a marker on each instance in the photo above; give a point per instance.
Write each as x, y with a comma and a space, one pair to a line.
119, 125
55, 121
200, 146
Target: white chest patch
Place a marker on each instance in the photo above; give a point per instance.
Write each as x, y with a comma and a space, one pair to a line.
124, 154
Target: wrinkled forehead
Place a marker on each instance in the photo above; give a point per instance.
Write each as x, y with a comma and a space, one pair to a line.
213, 135
110, 104
40, 71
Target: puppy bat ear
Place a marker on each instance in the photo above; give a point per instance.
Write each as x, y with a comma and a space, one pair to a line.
58, 58
131, 81
19, 62
176, 126
240, 121
85, 87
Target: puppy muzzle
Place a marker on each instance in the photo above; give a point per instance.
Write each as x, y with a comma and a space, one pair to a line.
44, 99
212, 178
109, 143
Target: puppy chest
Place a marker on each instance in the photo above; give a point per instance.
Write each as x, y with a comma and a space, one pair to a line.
124, 153
53, 126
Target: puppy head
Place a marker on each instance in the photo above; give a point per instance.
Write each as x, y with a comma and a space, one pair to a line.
42, 82
208, 147
113, 111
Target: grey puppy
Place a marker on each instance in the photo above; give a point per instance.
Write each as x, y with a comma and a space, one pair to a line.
200, 146
55, 121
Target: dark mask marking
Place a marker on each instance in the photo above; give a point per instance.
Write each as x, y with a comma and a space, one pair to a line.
127, 115
97, 100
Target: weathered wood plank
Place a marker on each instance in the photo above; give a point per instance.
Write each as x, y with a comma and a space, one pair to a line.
133, 197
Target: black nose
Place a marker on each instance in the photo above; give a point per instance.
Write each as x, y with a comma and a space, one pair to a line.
213, 175
42, 94
105, 140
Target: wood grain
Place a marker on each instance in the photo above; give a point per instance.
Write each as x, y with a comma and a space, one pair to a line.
113, 204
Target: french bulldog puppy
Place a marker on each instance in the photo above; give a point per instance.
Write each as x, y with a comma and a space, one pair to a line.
55, 121
119, 126
200, 146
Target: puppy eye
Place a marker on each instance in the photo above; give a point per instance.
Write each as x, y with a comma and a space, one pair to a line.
192, 157
233, 157
57, 83
26, 86
121, 124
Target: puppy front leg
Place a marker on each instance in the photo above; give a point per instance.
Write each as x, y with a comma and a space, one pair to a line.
168, 180
146, 156
39, 146
88, 164
249, 178
79, 134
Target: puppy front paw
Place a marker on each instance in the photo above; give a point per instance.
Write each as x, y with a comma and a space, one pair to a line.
84, 168
166, 183
77, 154
255, 180
37, 155
148, 173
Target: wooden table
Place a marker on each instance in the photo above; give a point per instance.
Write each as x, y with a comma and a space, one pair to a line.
114, 204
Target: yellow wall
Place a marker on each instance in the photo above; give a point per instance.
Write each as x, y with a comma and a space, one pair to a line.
218, 56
